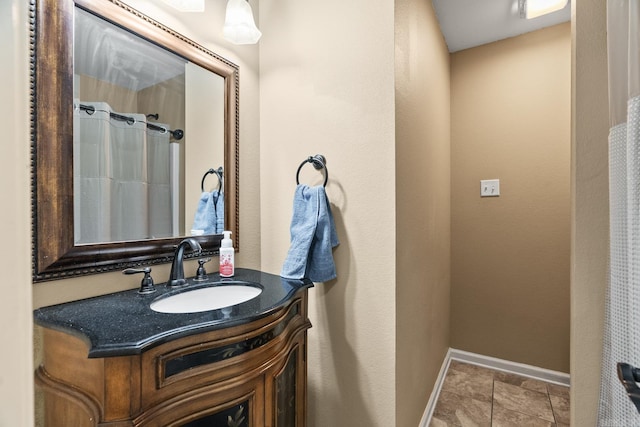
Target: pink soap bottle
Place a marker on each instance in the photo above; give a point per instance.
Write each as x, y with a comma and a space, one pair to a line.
227, 253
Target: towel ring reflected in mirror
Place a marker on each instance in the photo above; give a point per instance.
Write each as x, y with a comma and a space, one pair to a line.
218, 172
319, 162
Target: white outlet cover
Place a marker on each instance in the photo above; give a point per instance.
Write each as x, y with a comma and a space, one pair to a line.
489, 188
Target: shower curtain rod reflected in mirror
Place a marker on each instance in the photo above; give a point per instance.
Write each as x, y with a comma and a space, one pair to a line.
177, 134
125, 177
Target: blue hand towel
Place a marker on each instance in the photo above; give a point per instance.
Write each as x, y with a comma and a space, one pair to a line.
313, 236
205, 217
218, 202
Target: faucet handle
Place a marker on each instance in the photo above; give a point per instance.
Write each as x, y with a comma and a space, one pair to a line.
146, 285
201, 273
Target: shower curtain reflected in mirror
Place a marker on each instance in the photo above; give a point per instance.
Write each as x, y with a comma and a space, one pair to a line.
122, 177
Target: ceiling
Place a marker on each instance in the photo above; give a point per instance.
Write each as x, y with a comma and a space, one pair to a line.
470, 23
109, 53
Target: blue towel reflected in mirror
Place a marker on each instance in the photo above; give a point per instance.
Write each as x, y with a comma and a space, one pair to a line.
209, 217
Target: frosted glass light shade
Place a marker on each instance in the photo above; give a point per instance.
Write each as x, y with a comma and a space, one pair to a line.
239, 26
186, 5
537, 8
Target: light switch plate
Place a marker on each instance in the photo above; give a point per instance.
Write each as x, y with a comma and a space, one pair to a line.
489, 188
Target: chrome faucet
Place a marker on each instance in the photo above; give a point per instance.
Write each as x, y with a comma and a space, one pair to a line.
176, 278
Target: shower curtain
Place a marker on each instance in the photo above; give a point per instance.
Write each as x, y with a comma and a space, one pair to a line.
121, 178
622, 327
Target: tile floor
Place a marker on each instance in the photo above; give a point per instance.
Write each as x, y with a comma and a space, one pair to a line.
475, 396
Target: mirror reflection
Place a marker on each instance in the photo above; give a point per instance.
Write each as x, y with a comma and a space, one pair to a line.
128, 117
139, 158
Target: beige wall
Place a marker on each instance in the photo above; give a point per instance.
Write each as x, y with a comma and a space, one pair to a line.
205, 121
590, 204
16, 375
121, 99
510, 254
327, 86
422, 206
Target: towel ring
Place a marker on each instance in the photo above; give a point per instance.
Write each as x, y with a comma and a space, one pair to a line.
319, 162
218, 173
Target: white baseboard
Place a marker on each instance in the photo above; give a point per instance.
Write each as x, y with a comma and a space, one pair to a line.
529, 371
522, 369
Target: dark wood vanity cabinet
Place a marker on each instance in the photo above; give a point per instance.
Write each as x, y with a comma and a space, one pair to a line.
250, 375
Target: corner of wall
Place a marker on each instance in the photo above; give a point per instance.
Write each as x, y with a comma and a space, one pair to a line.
590, 209
423, 214
16, 381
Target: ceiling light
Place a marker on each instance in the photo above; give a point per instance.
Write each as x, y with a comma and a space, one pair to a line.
239, 26
186, 5
533, 8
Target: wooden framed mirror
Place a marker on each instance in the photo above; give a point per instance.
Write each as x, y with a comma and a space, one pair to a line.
60, 246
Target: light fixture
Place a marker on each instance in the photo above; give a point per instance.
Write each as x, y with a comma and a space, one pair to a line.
239, 26
533, 8
186, 5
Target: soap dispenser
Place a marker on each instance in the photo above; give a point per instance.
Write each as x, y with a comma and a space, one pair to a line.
227, 253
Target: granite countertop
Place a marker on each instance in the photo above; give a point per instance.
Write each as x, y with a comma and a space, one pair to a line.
122, 323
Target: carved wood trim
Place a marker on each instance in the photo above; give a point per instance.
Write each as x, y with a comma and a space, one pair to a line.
68, 392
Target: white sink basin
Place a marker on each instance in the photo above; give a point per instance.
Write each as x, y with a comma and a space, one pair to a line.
205, 299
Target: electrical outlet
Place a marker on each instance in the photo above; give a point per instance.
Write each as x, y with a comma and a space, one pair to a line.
489, 188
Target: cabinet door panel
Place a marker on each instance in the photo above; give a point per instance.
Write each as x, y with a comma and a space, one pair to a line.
237, 406
286, 395
234, 416
285, 387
